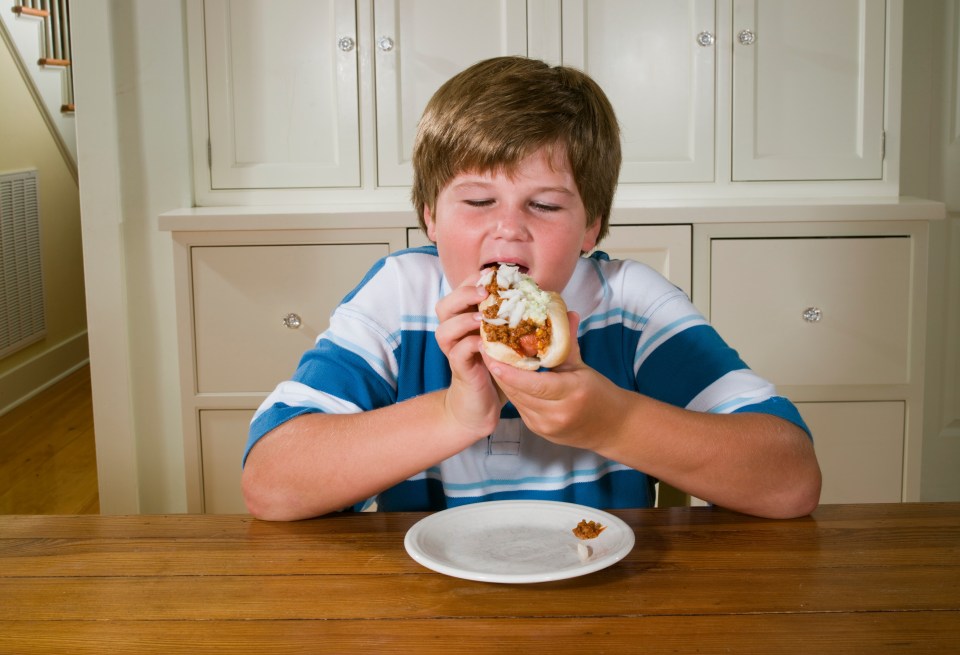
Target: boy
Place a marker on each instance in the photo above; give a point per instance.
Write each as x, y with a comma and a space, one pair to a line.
517, 162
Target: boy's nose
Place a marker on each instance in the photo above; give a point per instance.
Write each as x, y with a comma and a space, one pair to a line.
511, 224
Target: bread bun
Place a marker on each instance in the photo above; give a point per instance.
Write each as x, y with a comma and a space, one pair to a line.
518, 314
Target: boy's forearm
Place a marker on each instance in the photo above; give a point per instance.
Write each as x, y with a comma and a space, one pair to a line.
321, 463
752, 463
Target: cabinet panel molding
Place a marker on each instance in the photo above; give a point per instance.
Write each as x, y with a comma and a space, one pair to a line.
860, 449
282, 94
222, 442
419, 45
816, 311
259, 307
646, 56
808, 89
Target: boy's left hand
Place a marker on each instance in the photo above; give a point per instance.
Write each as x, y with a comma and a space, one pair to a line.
568, 404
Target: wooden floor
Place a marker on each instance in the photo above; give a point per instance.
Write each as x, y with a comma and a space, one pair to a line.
47, 454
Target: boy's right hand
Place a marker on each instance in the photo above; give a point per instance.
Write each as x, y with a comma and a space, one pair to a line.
473, 400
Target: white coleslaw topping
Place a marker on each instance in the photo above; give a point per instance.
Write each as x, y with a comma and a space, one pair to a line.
521, 298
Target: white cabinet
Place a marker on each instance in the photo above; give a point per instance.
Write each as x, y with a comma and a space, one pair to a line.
664, 248
804, 82
656, 61
275, 297
281, 93
299, 95
249, 305
320, 100
832, 314
845, 300
222, 444
808, 85
860, 449
420, 44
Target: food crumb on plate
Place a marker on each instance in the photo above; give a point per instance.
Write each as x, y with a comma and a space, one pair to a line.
588, 529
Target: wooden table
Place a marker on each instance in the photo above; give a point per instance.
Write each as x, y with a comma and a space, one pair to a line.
850, 578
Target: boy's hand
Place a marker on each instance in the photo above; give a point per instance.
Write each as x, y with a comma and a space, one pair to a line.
473, 400
568, 404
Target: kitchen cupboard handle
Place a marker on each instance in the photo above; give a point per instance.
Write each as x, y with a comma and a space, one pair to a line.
292, 321
705, 39
812, 314
385, 43
746, 37
346, 43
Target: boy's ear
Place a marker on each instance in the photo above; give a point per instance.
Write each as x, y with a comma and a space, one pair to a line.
430, 223
590, 236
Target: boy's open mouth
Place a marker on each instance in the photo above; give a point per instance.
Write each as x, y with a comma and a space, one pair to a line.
520, 267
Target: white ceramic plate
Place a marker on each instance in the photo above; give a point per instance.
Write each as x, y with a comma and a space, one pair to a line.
515, 541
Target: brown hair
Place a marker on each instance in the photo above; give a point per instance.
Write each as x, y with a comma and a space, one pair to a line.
497, 112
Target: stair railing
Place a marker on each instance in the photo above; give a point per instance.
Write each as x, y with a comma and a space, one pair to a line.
56, 38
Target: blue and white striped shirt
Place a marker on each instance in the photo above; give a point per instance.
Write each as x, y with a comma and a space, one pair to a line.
636, 328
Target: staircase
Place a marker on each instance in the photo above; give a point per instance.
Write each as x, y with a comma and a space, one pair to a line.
37, 33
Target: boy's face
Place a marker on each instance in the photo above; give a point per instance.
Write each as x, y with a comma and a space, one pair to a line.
534, 219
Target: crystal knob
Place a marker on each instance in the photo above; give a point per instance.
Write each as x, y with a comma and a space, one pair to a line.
292, 321
346, 43
705, 39
746, 37
385, 43
812, 314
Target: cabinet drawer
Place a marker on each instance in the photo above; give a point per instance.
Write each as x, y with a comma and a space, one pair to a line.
241, 295
664, 248
761, 291
223, 437
860, 449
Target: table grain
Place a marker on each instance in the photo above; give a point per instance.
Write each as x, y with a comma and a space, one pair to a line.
847, 579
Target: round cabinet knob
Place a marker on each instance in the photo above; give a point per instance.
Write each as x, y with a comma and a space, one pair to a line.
385, 43
346, 43
705, 39
746, 37
812, 314
292, 321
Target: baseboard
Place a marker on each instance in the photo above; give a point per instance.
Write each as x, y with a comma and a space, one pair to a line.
30, 378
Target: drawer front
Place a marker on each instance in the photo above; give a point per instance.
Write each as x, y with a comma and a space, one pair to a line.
857, 291
223, 437
665, 248
242, 294
860, 449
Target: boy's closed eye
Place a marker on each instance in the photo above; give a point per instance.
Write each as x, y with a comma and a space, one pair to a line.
535, 205
545, 207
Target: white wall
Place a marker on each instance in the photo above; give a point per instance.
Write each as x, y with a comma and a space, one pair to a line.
931, 169
134, 161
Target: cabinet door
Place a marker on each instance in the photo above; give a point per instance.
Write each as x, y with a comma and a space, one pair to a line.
243, 296
419, 45
808, 89
223, 438
648, 57
860, 449
282, 94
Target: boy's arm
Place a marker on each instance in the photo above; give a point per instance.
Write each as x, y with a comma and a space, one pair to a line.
753, 463
318, 463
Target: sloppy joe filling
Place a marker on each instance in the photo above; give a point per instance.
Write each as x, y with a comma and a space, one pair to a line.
524, 335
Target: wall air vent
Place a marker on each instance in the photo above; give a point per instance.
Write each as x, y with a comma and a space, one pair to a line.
22, 308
